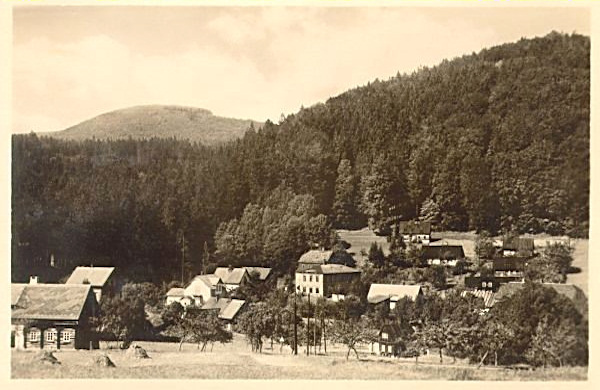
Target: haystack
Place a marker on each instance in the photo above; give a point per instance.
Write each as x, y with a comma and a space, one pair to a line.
46, 357
104, 361
137, 352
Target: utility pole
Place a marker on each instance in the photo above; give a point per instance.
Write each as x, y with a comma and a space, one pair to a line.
295, 328
308, 327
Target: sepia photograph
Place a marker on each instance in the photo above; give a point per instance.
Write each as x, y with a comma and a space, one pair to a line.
304, 191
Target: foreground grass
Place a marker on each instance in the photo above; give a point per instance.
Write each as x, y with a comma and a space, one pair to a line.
235, 361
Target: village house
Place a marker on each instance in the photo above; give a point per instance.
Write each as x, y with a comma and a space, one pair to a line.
443, 254
177, 294
510, 268
52, 316
233, 278
388, 343
518, 246
228, 309
100, 278
202, 288
415, 231
314, 257
390, 294
325, 280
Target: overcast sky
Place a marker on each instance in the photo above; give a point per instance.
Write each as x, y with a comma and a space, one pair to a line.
73, 63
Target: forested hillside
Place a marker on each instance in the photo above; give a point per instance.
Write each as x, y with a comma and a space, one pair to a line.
140, 122
497, 140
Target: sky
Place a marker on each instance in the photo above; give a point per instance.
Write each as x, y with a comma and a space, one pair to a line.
73, 63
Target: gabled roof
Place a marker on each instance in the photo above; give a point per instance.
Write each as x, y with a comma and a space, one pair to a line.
518, 244
228, 308
176, 292
316, 256
414, 227
263, 272
329, 269
195, 286
230, 275
395, 292
444, 252
509, 263
95, 276
488, 296
16, 289
232, 309
51, 301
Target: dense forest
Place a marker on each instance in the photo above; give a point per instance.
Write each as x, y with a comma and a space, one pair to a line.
496, 141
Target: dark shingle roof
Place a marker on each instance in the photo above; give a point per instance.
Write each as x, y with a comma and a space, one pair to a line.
96, 276
414, 227
518, 244
444, 252
509, 263
51, 301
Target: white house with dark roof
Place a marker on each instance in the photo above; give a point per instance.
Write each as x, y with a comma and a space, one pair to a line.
100, 278
52, 316
325, 279
392, 293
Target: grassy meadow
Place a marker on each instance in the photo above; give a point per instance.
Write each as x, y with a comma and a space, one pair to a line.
236, 361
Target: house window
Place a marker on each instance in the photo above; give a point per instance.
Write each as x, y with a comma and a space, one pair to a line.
310, 290
489, 284
34, 335
303, 289
316, 278
483, 284
310, 278
384, 336
317, 290
50, 335
304, 278
67, 335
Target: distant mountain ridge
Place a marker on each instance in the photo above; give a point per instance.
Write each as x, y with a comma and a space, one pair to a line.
141, 122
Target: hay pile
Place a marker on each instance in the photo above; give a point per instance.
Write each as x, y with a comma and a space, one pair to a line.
104, 361
137, 352
46, 357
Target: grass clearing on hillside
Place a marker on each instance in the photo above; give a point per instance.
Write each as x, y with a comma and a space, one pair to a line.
361, 240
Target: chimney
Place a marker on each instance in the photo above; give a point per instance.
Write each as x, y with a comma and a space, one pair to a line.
33, 279
230, 268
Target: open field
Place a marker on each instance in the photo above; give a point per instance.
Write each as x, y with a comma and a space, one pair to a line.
236, 361
360, 240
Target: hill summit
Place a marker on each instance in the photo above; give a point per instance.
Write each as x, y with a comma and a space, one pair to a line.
141, 122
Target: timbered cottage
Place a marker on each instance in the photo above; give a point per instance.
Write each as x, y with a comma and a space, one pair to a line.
52, 316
